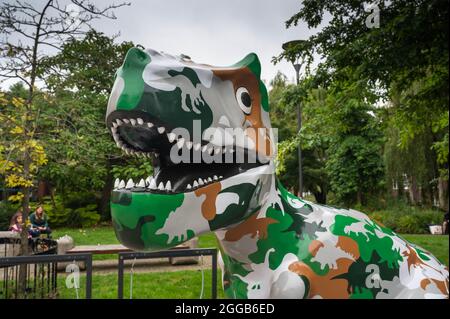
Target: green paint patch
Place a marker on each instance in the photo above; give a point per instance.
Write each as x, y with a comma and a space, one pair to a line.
145, 204
368, 242
131, 73
283, 242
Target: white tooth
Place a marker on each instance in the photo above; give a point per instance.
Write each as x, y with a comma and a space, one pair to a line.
210, 150
116, 183
140, 121
168, 186
209, 179
133, 122
150, 124
200, 182
127, 151
215, 177
119, 122
217, 150
220, 177
121, 184
114, 124
188, 186
171, 137
195, 184
130, 184
148, 180
180, 143
156, 155
197, 146
204, 148
189, 145
114, 130
141, 183
161, 186
152, 184
205, 181
116, 137
126, 121
161, 129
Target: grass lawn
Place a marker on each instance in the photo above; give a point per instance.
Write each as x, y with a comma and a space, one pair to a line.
176, 285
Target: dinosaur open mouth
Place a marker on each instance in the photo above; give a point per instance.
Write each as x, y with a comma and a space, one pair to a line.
143, 136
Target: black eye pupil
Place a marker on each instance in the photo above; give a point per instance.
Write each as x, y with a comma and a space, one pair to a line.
246, 99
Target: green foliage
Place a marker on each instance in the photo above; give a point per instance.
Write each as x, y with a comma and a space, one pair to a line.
60, 215
136, 169
405, 219
7, 210
403, 62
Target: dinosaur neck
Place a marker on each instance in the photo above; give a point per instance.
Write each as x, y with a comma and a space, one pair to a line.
245, 242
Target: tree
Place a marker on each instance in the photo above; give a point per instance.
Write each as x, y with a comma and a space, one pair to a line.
81, 151
26, 31
284, 100
407, 52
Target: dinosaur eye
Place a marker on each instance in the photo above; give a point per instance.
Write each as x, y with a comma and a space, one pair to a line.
244, 100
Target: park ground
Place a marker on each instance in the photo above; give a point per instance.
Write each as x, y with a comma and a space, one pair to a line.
185, 283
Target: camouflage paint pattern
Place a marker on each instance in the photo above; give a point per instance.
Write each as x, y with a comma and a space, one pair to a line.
273, 244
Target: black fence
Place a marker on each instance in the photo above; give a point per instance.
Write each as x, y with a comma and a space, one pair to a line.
169, 253
37, 246
37, 276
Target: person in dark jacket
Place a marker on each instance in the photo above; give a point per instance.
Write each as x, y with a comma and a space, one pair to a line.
39, 223
445, 224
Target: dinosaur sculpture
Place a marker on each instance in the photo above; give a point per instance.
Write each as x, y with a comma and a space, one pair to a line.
273, 244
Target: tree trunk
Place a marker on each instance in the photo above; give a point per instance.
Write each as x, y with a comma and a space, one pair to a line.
104, 207
414, 192
443, 193
321, 197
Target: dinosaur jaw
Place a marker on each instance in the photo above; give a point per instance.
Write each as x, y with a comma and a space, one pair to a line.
206, 163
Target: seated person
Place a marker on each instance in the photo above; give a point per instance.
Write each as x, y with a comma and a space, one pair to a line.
39, 223
16, 224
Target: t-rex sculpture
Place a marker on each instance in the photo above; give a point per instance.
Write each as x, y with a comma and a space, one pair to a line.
273, 244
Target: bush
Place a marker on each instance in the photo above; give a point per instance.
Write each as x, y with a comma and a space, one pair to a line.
62, 216
408, 220
7, 210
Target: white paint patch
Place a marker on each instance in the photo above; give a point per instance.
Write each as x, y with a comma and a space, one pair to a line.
186, 217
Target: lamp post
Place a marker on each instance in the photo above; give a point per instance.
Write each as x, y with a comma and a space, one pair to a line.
297, 67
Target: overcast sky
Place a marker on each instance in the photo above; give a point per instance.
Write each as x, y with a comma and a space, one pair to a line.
209, 31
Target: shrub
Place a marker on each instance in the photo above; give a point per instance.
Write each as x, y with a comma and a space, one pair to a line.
62, 216
408, 220
7, 210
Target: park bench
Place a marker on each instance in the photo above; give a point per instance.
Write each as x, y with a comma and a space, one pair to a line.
116, 249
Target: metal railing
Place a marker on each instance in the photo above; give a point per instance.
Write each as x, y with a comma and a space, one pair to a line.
169, 253
39, 274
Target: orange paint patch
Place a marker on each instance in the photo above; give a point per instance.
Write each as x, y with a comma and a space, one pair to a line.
209, 205
243, 77
412, 258
253, 225
325, 286
440, 284
348, 245
314, 247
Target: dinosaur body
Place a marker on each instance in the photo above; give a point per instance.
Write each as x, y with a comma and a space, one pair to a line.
211, 178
